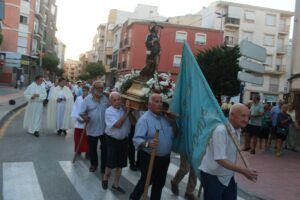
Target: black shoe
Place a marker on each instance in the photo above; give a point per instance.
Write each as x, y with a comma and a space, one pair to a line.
65, 132
118, 189
105, 184
58, 132
36, 134
133, 167
93, 169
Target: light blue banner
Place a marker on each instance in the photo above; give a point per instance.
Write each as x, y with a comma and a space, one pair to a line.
198, 109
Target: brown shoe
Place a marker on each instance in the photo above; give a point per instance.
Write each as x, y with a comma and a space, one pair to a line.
190, 196
174, 188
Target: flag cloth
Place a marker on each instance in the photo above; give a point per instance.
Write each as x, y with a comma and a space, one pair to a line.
198, 109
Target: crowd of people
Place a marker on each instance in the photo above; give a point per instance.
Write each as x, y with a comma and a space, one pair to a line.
103, 117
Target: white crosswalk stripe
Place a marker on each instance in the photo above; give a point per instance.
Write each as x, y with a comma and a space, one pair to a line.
20, 182
87, 184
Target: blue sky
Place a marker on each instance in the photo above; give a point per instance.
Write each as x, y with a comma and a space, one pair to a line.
77, 20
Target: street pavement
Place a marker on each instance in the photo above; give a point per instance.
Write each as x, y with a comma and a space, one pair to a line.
41, 168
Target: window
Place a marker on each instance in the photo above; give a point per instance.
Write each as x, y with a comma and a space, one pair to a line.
249, 16
181, 36
269, 60
269, 40
200, 38
177, 60
109, 44
270, 20
247, 36
23, 19
274, 84
22, 41
110, 27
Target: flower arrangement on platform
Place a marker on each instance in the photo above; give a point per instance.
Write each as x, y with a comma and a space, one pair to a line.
160, 83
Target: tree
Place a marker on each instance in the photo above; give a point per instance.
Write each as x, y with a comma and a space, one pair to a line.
84, 77
95, 69
59, 72
50, 62
220, 68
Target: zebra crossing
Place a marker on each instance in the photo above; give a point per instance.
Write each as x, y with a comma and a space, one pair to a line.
20, 181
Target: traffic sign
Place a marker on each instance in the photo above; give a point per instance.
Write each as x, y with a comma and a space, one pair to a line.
250, 78
254, 51
249, 65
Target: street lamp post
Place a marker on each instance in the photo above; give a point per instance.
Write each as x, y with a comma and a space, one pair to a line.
221, 16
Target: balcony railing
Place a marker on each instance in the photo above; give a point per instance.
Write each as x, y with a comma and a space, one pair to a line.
281, 48
273, 87
280, 68
229, 40
284, 28
232, 21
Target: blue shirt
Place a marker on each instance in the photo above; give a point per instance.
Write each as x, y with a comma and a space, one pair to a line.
96, 112
145, 130
274, 113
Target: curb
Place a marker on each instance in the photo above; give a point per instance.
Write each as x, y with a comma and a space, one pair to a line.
251, 195
9, 113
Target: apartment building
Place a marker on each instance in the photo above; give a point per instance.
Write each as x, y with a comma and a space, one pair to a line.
28, 30
266, 27
72, 69
132, 53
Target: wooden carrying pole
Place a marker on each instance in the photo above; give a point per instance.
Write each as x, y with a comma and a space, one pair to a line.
79, 143
150, 167
237, 145
238, 149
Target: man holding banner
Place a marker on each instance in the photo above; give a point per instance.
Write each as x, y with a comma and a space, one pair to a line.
201, 122
219, 162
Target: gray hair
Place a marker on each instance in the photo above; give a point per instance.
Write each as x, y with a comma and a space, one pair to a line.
98, 82
113, 94
152, 96
236, 107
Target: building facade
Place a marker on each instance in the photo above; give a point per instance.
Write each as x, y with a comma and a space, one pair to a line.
72, 69
132, 53
263, 26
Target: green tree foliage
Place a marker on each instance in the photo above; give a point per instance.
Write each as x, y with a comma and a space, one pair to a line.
220, 68
59, 72
83, 77
50, 62
95, 69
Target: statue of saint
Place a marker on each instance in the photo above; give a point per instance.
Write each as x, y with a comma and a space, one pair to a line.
153, 51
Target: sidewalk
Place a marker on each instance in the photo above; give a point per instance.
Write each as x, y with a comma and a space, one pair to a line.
279, 177
7, 93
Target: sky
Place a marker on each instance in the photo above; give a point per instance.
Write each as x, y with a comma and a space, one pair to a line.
77, 20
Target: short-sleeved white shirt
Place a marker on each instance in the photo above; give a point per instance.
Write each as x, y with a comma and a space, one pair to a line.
220, 147
112, 116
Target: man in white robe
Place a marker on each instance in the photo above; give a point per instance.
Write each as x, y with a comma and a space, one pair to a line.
60, 107
35, 94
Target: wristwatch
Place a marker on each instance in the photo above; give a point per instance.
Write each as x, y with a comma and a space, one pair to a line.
147, 144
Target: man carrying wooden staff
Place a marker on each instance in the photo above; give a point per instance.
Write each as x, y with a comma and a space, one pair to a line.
219, 162
144, 140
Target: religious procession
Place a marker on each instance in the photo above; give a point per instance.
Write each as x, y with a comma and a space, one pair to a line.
144, 125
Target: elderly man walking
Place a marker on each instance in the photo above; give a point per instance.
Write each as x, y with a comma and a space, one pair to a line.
35, 94
144, 141
117, 130
219, 162
93, 112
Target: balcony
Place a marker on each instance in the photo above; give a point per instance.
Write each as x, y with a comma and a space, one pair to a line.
39, 15
281, 49
231, 41
273, 87
284, 29
278, 70
232, 22
124, 63
127, 42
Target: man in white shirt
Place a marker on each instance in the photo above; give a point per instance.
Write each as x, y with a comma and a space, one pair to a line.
219, 162
117, 130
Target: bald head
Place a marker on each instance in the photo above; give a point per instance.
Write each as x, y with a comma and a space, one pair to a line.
239, 115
